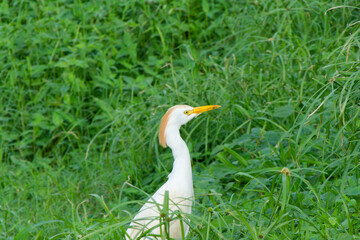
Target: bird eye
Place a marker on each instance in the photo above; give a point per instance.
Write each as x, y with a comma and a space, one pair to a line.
186, 112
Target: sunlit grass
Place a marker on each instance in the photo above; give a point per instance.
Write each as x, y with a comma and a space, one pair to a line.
85, 84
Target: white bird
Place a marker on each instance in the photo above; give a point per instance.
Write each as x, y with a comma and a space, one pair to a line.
179, 184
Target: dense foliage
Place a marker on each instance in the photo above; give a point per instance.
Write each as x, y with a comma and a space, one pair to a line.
84, 85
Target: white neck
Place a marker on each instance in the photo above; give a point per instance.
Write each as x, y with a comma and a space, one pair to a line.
182, 162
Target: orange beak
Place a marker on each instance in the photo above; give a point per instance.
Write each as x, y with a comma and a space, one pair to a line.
198, 110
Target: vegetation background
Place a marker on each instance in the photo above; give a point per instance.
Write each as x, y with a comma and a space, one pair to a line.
84, 85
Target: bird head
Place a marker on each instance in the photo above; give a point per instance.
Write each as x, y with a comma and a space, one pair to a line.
179, 115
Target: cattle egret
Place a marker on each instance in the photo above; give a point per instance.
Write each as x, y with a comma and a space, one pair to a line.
179, 184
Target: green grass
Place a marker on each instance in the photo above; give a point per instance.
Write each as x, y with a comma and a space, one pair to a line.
84, 85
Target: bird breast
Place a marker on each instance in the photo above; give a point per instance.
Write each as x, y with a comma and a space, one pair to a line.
180, 200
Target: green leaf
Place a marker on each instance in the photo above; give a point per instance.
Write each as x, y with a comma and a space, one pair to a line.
344, 236
353, 191
57, 119
105, 107
23, 233
237, 156
38, 119
205, 6
221, 156
284, 111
